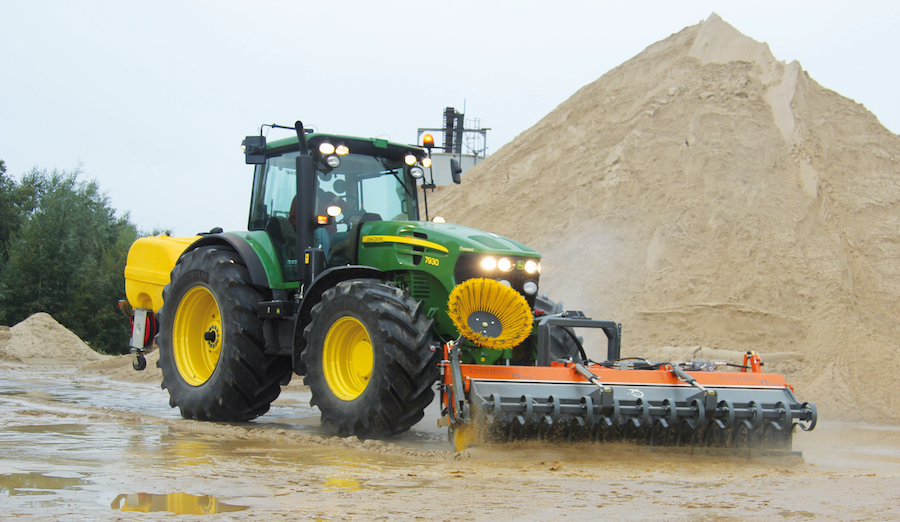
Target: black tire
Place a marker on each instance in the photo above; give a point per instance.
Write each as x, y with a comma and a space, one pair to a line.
396, 336
240, 381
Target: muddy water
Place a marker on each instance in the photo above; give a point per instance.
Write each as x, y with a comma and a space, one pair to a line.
74, 447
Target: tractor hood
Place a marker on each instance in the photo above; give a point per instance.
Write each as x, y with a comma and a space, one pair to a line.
445, 255
431, 259
444, 240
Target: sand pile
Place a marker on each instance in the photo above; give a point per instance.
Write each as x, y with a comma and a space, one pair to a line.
5, 336
41, 340
706, 194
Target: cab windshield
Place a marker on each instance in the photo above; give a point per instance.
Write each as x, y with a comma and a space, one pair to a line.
366, 185
362, 185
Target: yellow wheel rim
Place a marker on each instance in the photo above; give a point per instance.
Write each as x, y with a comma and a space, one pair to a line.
197, 335
347, 358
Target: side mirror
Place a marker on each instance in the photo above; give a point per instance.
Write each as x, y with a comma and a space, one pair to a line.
455, 171
254, 150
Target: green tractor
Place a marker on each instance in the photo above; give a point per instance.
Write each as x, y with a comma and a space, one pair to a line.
337, 279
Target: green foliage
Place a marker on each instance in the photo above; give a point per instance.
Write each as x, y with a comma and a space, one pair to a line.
16, 201
65, 255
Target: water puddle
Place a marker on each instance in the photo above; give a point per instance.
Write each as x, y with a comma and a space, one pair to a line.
849, 444
39, 490
337, 484
71, 443
175, 503
291, 411
16, 484
67, 386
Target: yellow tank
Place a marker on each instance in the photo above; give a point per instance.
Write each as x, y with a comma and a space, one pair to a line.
150, 260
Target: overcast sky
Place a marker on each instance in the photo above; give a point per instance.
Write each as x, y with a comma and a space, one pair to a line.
153, 98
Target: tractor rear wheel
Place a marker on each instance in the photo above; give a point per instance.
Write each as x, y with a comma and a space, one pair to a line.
370, 361
211, 349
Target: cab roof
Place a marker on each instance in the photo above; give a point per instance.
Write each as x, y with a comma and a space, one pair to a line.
317, 137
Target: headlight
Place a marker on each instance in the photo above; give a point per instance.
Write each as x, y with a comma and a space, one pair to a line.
326, 148
504, 282
530, 287
333, 161
504, 264
489, 263
417, 172
531, 267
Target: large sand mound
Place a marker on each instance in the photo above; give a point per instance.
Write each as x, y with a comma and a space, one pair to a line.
705, 193
41, 340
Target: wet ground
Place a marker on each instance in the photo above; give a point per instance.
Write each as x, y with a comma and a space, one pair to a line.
74, 446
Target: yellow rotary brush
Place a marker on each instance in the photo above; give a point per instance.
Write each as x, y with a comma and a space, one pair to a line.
490, 314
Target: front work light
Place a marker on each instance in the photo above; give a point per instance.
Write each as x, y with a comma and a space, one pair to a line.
333, 210
326, 148
531, 267
489, 263
426, 162
504, 264
410, 159
342, 150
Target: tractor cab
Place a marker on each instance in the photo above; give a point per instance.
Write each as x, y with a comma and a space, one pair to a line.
352, 181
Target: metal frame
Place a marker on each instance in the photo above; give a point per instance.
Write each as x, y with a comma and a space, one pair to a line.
612, 329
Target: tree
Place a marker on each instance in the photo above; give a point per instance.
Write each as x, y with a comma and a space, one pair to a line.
16, 200
66, 257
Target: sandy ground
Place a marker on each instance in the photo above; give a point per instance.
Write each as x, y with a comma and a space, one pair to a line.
707, 195
77, 445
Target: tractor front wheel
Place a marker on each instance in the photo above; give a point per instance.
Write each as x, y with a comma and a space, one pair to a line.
370, 362
211, 349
